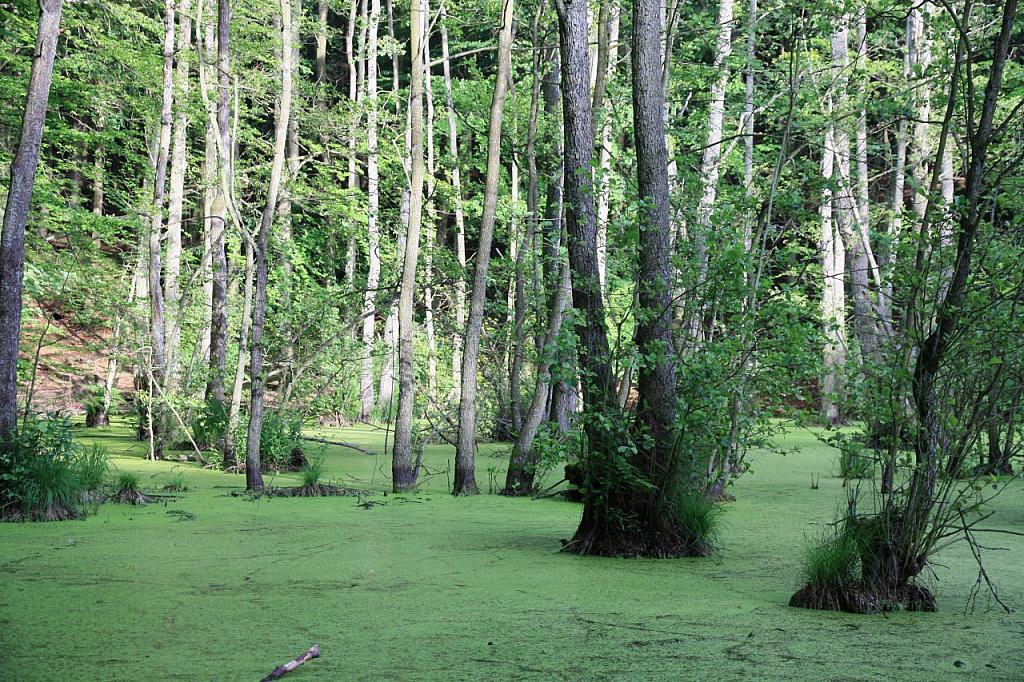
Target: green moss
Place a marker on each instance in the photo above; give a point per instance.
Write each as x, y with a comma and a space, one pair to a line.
431, 587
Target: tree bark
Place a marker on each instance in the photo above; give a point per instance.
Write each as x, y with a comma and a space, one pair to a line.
403, 471
465, 455
253, 476
179, 166
218, 224
157, 353
15, 220
712, 157
460, 222
372, 228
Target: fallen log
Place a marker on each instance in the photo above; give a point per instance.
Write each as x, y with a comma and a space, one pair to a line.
281, 671
340, 444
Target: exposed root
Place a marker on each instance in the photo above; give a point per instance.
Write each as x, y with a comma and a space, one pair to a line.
861, 599
57, 512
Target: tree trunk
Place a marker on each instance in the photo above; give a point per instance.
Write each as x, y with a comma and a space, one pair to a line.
179, 165
465, 452
353, 94
460, 222
431, 226
581, 230
712, 157
157, 353
833, 305
253, 476
19, 199
225, 172
403, 471
607, 47
372, 227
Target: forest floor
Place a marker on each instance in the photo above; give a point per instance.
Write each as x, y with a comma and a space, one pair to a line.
425, 586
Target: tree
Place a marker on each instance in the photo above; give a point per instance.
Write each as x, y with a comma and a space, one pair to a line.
465, 476
253, 476
403, 471
19, 199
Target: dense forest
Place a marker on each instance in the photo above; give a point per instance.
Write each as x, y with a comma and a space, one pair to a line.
636, 243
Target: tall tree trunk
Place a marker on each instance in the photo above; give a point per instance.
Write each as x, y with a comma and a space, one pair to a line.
712, 157
215, 392
465, 452
563, 393
179, 166
157, 354
607, 47
403, 470
431, 227
253, 477
460, 222
833, 301
372, 227
353, 94
19, 199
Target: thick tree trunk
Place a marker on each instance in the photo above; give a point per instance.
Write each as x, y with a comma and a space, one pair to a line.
465, 456
403, 470
253, 476
602, 423
19, 199
372, 227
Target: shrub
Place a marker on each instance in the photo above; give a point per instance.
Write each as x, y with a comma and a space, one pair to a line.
41, 475
94, 414
278, 439
210, 423
701, 520
51, 489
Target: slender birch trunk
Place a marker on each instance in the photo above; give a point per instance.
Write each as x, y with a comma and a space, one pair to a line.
606, 50
465, 452
157, 352
253, 476
712, 157
403, 471
179, 166
460, 221
431, 226
372, 227
351, 59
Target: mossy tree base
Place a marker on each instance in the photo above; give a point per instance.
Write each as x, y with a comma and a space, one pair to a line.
862, 599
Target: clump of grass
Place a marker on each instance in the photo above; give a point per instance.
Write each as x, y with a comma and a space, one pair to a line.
311, 473
832, 560
176, 484
93, 466
126, 489
51, 489
701, 521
